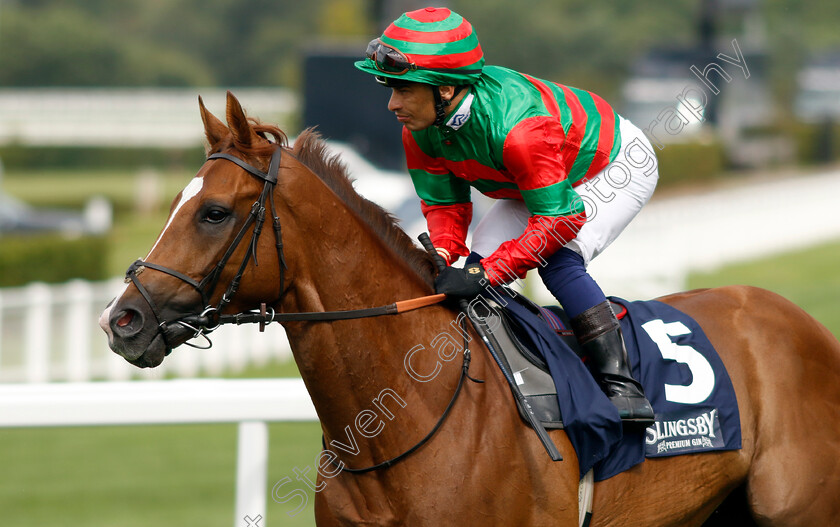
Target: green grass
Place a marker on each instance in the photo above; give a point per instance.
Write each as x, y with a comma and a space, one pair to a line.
72, 188
126, 476
137, 476
131, 238
273, 370
136, 226
809, 278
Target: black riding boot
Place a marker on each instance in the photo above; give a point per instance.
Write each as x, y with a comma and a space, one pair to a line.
599, 334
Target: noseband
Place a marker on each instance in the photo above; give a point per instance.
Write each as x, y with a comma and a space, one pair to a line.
211, 317
208, 320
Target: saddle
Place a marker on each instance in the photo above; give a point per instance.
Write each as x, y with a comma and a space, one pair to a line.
652, 330
520, 357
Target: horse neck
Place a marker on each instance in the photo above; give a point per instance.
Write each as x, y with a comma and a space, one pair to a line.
336, 259
359, 365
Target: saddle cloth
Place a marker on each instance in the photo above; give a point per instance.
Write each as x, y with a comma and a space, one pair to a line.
683, 377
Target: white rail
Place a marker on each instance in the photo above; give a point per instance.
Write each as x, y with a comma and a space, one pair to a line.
124, 116
250, 403
50, 333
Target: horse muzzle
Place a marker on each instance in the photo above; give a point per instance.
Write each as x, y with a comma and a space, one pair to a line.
135, 334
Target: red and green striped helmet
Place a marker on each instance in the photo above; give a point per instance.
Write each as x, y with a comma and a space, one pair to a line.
432, 45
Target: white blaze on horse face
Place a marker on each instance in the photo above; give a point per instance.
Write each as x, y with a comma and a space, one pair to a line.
189, 192
105, 317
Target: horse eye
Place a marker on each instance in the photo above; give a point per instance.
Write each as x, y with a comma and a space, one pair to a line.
215, 216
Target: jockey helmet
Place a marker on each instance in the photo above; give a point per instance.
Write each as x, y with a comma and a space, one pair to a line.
432, 46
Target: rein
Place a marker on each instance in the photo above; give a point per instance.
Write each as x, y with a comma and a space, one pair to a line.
313, 316
202, 324
211, 318
465, 368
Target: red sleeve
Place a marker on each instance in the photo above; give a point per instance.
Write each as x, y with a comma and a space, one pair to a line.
533, 152
448, 226
543, 236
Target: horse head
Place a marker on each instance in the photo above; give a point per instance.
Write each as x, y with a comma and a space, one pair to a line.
210, 256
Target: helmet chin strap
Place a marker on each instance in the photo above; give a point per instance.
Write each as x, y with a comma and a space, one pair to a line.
441, 105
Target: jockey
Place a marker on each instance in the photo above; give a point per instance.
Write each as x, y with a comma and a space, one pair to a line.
568, 173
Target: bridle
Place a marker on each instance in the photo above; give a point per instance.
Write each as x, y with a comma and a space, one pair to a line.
211, 317
208, 319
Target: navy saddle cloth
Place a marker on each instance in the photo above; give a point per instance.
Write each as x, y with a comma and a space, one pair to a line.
683, 377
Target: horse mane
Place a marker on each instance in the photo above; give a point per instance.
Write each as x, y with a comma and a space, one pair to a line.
311, 150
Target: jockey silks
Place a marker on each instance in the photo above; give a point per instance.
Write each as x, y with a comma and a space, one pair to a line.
513, 136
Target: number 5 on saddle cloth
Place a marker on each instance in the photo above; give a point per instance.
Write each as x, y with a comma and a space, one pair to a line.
682, 374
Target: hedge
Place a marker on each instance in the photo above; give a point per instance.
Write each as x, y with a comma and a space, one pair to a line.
690, 162
51, 258
41, 157
817, 142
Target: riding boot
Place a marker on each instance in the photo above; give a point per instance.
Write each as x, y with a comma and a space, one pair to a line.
599, 334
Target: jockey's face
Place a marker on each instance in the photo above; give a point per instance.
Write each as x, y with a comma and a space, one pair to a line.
414, 104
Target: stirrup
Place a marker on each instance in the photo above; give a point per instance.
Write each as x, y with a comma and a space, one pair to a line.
628, 396
634, 410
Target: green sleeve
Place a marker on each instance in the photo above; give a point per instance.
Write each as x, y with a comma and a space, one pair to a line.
558, 199
440, 189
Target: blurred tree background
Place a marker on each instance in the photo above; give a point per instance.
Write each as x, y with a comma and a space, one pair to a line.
260, 42
600, 46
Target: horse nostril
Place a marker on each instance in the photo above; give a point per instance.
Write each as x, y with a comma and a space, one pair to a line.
127, 322
125, 319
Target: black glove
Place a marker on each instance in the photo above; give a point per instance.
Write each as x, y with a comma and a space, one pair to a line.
467, 282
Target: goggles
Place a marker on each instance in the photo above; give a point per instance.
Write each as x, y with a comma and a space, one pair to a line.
388, 59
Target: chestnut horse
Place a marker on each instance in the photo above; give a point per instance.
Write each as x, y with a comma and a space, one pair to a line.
380, 385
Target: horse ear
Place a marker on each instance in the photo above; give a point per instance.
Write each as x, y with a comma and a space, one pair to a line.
243, 133
214, 129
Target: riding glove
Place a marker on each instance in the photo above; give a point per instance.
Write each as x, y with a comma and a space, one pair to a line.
466, 282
